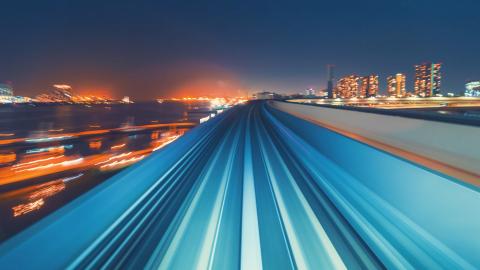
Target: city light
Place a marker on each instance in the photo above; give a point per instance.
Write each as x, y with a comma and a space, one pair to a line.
242, 135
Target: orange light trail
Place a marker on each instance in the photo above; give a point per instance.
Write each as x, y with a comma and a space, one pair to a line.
22, 209
47, 191
118, 146
46, 163
169, 140
121, 163
64, 136
35, 161
114, 157
63, 164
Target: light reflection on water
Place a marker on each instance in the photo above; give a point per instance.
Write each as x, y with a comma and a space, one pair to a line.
38, 174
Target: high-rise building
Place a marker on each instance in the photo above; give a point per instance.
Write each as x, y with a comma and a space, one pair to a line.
427, 79
330, 85
396, 85
347, 87
6, 89
472, 89
368, 86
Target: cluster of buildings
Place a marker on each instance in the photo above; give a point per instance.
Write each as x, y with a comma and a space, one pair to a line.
427, 83
357, 86
61, 93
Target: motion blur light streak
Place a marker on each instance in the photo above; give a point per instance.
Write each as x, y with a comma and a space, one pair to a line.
122, 162
68, 179
40, 192
47, 149
254, 188
65, 163
57, 138
46, 161
86, 133
249, 135
168, 141
118, 146
114, 157
28, 207
48, 190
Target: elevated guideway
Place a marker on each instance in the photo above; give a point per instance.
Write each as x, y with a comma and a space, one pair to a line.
451, 146
259, 188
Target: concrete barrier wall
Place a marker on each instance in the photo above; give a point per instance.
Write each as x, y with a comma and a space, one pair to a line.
451, 144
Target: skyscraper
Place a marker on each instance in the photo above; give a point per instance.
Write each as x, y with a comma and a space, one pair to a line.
427, 79
368, 86
330, 85
396, 85
347, 87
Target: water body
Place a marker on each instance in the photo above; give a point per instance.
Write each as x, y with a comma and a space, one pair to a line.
27, 120
51, 154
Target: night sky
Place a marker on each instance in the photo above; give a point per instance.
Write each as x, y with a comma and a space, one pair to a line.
150, 49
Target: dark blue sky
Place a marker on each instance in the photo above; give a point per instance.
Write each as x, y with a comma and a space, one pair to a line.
148, 49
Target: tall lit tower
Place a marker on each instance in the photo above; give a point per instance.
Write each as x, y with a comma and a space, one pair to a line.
330, 81
347, 87
396, 85
368, 86
427, 79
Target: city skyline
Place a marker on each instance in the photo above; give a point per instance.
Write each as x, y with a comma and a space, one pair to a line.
426, 82
151, 49
243, 135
